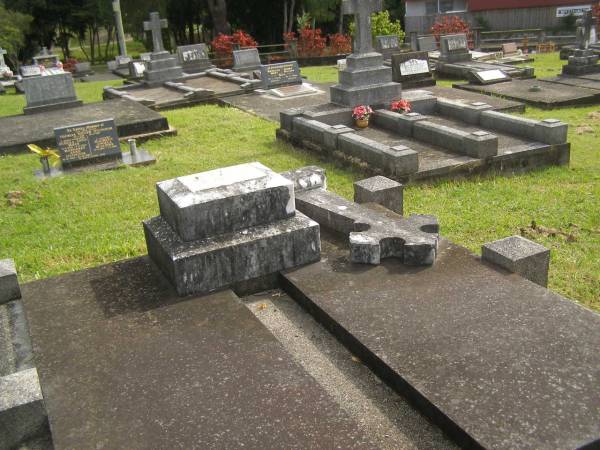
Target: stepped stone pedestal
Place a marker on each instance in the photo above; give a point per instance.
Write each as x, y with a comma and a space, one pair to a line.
583, 62
365, 81
162, 67
228, 225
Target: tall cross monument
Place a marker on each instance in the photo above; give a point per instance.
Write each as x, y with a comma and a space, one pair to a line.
362, 10
116, 5
156, 25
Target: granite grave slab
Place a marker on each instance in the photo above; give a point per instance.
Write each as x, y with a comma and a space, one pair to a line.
194, 58
200, 372
494, 359
246, 60
132, 119
412, 70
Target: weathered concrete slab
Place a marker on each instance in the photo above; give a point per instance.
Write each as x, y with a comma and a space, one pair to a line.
496, 360
540, 93
202, 373
131, 118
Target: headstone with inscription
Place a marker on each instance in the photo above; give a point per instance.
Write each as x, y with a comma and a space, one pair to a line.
454, 48
281, 74
246, 60
388, 45
96, 145
30, 71
137, 69
412, 70
49, 93
88, 143
194, 58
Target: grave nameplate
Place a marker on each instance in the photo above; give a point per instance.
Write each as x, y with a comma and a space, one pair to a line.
31, 71
455, 43
88, 142
282, 74
387, 42
509, 48
414, 67
122, 61
137, 69
490, 76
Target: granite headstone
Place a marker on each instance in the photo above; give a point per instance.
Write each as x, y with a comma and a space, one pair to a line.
281, 74
194, 58
387, 45
49, 92
246, 60
88, 143
412, 70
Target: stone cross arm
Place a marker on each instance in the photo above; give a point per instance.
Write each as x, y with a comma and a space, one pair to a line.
362, 10
155, 25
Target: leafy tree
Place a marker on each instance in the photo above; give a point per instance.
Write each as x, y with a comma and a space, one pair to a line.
13, 28
383, 25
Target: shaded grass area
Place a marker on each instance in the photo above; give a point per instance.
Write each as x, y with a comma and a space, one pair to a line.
81, 221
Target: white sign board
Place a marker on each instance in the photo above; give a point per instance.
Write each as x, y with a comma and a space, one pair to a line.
414, 67
565, 11
491, 75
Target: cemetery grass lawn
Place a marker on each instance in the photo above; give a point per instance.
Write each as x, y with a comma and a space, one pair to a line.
81, 221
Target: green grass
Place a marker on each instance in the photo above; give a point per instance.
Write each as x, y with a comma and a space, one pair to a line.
84, 220
134, 48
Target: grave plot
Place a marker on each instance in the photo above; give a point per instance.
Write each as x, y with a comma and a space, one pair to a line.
132, 120
199, 372
579, 83
440, 138
456, 61
165, 85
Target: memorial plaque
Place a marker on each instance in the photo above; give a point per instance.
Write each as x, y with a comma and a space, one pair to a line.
387, 45
509, 48
490, 76
31, 71
282, 74
122, 61
88, 142
456, 42
412, 70
137, 69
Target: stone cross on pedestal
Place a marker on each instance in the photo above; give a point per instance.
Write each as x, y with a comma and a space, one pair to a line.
362, 10
155, 25
584, 30
2, 53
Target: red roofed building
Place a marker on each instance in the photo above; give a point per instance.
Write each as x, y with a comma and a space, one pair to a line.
500, 14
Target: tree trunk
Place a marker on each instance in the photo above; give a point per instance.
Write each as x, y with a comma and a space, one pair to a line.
218, 11
285, 16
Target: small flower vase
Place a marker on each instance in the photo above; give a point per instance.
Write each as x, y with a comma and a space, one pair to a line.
45, 165
362, 123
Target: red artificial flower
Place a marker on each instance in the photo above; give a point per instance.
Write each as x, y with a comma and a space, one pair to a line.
401, 106
361, 112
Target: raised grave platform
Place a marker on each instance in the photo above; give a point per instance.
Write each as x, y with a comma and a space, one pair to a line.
269, 107
131, 118
544, 93
200, 372
497, 361
189, 90
440, 138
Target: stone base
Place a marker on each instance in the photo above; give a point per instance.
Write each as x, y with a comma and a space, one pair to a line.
9, 283
574, 69
162, 67
52, 107
374, 95
209, 264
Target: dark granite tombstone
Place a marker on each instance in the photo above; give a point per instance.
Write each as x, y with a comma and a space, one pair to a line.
95, 145
412, 70
88, 143
281, 74
387, 45
246, 60
194, 58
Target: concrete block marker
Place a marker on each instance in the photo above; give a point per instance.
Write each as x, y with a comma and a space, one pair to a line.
9, 283
380, 190
519, 255
22, 411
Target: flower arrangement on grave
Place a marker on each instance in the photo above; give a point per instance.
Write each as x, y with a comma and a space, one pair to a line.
401, 106
48, 157
361, 115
